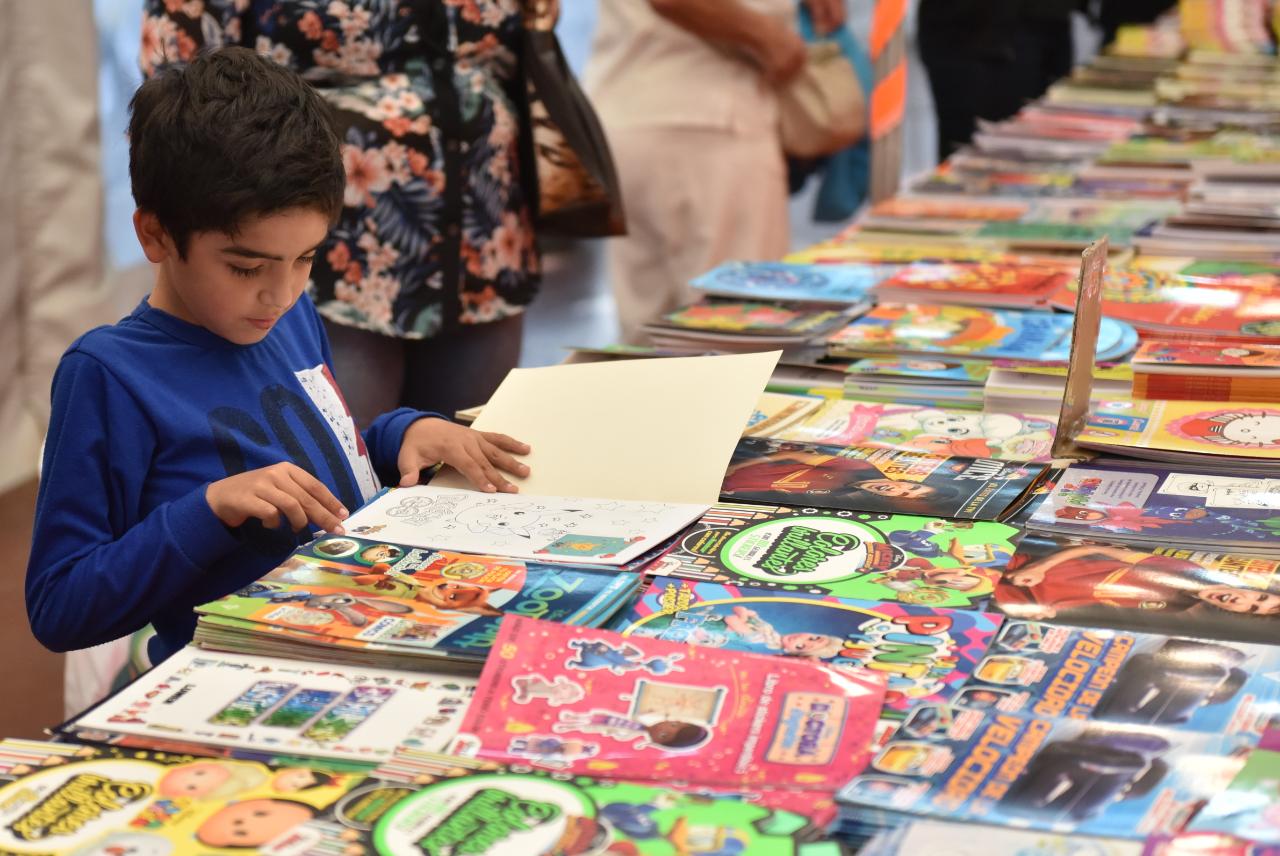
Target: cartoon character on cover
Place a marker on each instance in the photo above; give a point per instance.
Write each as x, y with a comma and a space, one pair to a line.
665, 734
354, 610
749, 626
552, 751
1085, 577
252, 823
949, 432
1245, 428
523, 520
555, 693
1127, 517
459, 597
916, 572
598, 654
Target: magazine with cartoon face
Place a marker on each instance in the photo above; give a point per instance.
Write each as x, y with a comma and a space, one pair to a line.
970, 331
580, 700
1164, 504
1247, 432
798, 282
390, 595
880, 557
1045, 773
965, 433
522, 526
116, 801
294, 706
924, 652
864, 478
1144, 588
1120, 676
531, 812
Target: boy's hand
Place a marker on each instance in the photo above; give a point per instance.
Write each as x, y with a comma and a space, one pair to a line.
478, 455
280, 491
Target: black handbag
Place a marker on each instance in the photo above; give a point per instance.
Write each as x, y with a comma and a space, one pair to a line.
574, 191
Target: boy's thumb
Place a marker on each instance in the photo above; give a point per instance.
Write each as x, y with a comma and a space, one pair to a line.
408, 477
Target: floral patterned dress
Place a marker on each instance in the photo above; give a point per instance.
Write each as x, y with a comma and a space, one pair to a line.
435, 228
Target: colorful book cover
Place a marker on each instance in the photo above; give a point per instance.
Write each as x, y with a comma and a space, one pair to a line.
924, 369
722, 316
500, 811
350, 588
1177, 429
296, 706
1055, 234
522, 526
1164, 589
879, 557
1052, 774
784, 281
775, 411
865, 478
1249, 808
1164, 302
1121, 676
592, 701
116, 801
970, 331
1150, 502
1175, 356
926, 653
911, 208
909, 427
993, 284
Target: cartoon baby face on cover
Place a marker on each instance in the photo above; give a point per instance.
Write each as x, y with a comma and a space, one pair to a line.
595, 702
145, 803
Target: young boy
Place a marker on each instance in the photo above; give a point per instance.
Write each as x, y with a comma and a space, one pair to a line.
195, 443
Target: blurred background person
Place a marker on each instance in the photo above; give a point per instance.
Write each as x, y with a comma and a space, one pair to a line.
685, 91
424, 280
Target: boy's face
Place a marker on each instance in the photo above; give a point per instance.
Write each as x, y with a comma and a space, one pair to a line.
236, 286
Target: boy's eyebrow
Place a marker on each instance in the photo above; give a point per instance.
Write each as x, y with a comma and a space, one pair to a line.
249, 253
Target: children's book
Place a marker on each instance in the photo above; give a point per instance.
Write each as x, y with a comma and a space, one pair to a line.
533, 812
970, 331
926, 653
1165, 304
1121, 676
522, 526
1143, 502
1245, 435
119, 801
1168, 589
776, 411
579, 700
922, 370
880, 557
1169, 369
973, 284
846, 284
262, 704
766, 319
865, 478
967, 839
1042, 773
1247, 809
431, 603
1004, 436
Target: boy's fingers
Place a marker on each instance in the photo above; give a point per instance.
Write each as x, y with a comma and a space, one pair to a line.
503, 461
509, 444
260, 509
317, 489
470, 467
288, 505
318, 515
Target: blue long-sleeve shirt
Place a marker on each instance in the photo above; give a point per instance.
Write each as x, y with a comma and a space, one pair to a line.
148, 412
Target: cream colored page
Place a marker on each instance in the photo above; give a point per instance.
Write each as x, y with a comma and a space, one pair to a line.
653, 430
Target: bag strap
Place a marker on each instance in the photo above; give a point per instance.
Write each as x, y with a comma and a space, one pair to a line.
540, 14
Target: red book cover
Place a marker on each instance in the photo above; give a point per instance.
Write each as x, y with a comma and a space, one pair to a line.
982, 284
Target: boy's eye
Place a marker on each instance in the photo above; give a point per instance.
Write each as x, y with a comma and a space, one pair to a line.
306, 260
245, 272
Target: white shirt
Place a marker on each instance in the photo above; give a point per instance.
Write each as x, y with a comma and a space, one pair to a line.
647, 71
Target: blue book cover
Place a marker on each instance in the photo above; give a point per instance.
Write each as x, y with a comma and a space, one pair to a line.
782, 281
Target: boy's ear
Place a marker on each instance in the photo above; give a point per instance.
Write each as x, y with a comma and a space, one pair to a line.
155, 240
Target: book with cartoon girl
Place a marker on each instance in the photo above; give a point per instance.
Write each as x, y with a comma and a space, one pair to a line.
925, 561
1164, 589
582, 700
1147, 503
1245, 435
498, 810
863, 478
925, 653
971, 331
394, 597
78, 801
843, 284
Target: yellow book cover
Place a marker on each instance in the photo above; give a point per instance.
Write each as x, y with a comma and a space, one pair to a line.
1200, 427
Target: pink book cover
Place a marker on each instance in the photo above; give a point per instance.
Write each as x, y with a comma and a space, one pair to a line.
581, 700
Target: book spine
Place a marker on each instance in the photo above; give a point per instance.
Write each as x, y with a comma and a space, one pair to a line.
1201, 388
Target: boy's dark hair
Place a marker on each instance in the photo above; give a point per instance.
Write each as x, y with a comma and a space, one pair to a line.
230, 136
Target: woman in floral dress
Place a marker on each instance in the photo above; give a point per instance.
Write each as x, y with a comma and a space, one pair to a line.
423, 281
